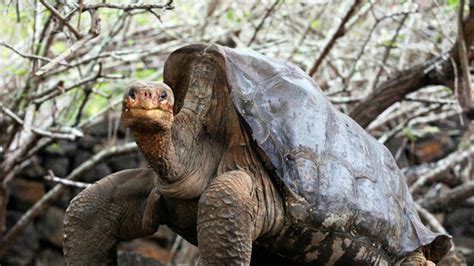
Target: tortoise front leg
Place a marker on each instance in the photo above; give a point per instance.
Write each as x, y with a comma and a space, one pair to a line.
121, 206
226, 215
417, 258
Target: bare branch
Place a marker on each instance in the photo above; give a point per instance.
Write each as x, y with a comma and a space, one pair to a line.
29, 56
62, 19
386, 54
450, 199
167, 6
74, 133
440, 167
52, 177
338, 32
465, 94
260, 25
435, 72
93, 32
57, 90
430, 219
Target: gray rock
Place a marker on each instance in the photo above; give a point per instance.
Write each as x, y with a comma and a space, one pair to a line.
50, 226
23, 250
49, 257
131, 258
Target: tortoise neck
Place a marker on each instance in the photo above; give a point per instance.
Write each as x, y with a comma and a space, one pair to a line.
159, 150
182, 159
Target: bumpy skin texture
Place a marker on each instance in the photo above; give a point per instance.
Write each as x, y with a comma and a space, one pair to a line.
94, 220
225, 215
215, 184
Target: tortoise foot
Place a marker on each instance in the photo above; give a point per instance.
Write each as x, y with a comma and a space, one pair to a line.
417, 258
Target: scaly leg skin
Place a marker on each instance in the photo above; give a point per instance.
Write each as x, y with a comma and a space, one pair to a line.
417, 258
121, 206
226, 220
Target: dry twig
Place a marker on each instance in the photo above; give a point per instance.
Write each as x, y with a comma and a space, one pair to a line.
441, 166
52, 177
337, 32
93, 32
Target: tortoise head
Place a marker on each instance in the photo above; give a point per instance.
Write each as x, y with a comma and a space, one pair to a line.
148, 105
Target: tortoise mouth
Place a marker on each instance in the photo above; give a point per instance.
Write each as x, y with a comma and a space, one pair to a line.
147, 113
142, 109
139, 118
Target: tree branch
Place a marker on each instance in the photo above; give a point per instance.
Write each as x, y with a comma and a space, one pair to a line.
73, 135
448, 200
93, 32
167, 6
337, 33
52, 177
464, 81
62, 19
435, 72
259, 27
441, 166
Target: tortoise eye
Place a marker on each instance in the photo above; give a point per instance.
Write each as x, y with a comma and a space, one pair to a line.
163, 96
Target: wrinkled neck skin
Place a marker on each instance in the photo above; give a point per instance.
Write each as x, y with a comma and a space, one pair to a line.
158, 147
184, 157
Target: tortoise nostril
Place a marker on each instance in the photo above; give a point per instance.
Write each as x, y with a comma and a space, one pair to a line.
132, 93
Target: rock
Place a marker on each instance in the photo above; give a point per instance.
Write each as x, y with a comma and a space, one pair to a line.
68, 148
96, 173
460, 223
23, 249
145, 248
34, 170
24, 193
59, 165
453, 257
49, 257
88, 142
130, 258
428, 150
164, 236
50, 226
123, 162
79, 157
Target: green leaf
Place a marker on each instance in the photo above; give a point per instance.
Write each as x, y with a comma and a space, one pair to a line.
314, 24
431, 129
53, 148
409, 133
388, 43
94, 105
465, 144
453, 3
437, 37
144, 73
447, 90
141, 19
58, 47
230, 14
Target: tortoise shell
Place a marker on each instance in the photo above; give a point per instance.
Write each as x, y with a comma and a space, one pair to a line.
335, 175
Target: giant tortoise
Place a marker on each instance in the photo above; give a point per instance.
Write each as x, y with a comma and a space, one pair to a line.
253, 164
